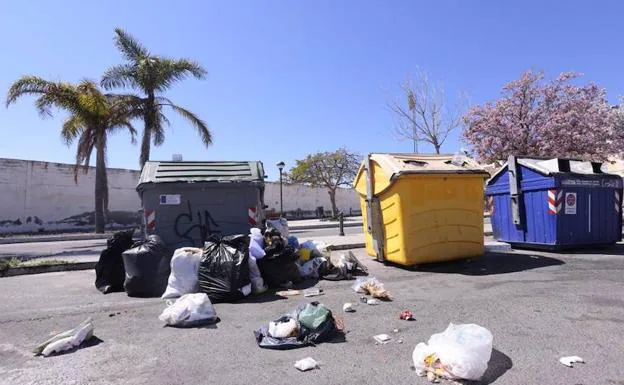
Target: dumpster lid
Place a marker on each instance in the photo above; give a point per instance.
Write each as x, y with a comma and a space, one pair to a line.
211, 171
393, 166
551, 166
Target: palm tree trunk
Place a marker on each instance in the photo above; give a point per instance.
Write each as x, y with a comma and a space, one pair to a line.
100, 182
149, 119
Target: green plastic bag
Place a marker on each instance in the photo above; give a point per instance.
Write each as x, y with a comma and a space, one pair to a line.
312, 316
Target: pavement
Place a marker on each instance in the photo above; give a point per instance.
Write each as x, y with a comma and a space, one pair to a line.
538, 306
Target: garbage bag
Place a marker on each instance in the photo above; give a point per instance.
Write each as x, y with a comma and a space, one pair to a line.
280, 224
311, 268
279, 267
256, 243
309, 324
147, 268
224, 268
109, 270
183, 277
460, 352
189, 310
347, 266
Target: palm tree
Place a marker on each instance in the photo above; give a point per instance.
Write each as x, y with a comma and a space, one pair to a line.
92, 116
153, 75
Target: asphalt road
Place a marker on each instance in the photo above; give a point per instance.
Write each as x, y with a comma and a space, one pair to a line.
538, 306
94, 247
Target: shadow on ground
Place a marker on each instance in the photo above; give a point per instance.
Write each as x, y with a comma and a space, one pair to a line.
499, 364
491, 264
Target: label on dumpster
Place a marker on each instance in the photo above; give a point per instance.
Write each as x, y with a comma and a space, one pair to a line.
170, 199
570, 203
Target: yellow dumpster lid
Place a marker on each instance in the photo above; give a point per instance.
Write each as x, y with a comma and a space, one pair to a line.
387, 168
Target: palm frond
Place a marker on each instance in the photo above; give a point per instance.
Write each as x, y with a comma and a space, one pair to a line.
199, 124
120, 76
169, 71
130, 48
72, 128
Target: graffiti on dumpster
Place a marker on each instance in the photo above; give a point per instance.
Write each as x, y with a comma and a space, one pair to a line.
186, 223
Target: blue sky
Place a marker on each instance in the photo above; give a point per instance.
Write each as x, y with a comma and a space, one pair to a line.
287, 78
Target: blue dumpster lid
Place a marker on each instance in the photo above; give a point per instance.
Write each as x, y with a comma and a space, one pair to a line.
191, 172
551, 166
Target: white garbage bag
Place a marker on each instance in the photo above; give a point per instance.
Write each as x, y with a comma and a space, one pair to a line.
256, 243
310, 268
183, 277
460, 352
67, 340
280, 224
189, 310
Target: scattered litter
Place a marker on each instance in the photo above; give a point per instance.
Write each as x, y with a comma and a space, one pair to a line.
288, 293
312, 267
114, 314
569, 361
312, 292
399, 341
314, 323
66, 340
363, 299
396, 330
306, 364
382, 338
372, 301
348, 308
373, 287
347, 266
407, 315
459, 352
189, 310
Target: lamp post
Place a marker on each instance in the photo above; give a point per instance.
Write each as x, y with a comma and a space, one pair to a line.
281, 165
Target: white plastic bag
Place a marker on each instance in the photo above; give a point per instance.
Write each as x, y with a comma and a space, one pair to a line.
280, 224
183, 277
256, 243
189, 310
311, 267
308, 363
68, 340
460, 352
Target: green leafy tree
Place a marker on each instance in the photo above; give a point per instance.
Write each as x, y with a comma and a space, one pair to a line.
152, 75
327, 169
92, 116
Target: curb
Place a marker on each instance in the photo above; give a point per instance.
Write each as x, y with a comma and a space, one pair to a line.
347, 246
73, 266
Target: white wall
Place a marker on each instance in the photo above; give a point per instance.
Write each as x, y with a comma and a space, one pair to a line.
42, 196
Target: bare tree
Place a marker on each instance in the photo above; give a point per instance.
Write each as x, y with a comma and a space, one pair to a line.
423, 114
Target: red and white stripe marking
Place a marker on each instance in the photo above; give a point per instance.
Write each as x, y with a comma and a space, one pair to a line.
150, 219
554, 201
617, 201
253, 216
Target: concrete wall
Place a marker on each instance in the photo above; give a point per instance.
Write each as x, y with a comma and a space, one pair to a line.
42, 196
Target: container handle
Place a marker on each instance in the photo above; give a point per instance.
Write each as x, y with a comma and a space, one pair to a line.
514, 189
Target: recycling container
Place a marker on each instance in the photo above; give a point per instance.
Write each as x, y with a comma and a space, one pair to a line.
185, 203
419, 209
555, 203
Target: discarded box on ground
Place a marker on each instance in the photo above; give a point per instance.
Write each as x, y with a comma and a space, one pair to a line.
421, 208
555, 203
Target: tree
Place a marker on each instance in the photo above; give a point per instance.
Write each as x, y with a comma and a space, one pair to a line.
537, 118
327, 169
423, 114
92, 116
152, 75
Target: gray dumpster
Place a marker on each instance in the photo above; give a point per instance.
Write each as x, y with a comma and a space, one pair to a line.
186, 202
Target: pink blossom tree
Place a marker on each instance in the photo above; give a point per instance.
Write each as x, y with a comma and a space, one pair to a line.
538, 118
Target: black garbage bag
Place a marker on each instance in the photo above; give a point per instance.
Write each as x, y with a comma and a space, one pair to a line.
224, 268
147, 266
109, 270
325, 329
278, 266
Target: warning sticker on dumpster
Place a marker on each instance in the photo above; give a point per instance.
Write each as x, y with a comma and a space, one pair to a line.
570, 203
170, 199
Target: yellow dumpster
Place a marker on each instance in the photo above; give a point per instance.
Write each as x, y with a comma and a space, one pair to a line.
421, 208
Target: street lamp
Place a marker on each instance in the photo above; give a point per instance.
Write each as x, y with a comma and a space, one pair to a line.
281, 165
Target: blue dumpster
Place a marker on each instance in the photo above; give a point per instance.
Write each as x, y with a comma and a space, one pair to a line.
554, 204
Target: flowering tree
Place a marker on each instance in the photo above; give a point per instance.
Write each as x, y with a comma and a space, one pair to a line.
537, 118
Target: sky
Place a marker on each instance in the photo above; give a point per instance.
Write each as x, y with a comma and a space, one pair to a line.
290, 78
